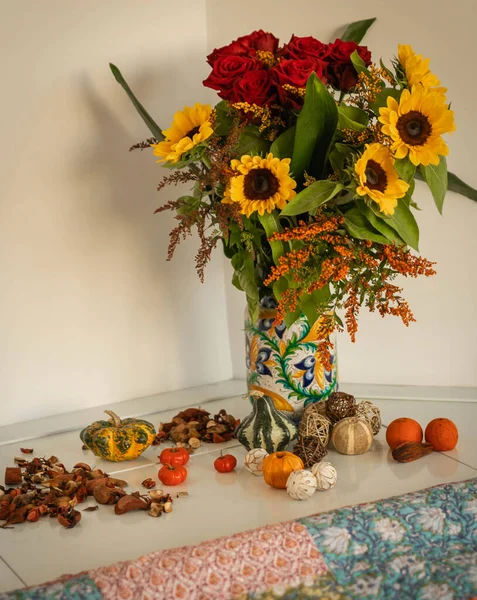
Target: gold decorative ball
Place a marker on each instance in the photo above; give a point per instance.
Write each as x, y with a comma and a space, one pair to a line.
352, 435
315, 424
370, 413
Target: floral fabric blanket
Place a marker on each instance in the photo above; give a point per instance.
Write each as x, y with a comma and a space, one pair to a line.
421, 545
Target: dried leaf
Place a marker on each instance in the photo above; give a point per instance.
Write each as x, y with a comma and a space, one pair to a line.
157, 494
82, 465
129, 503
148, 483
69, 518
26, 450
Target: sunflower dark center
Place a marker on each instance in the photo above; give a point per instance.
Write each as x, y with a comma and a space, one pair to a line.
260, 184
414, 128
192, 132
376, 178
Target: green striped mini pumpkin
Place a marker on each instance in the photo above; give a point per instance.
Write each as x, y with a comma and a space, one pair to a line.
266, 427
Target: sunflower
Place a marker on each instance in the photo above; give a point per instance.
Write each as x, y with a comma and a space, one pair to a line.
416, 68
378, 178
416, 124
190, 127
261, 184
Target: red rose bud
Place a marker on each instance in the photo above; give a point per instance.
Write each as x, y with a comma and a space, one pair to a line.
295, 73
234, 49
341, 72
226, 71
260, 40
305, 47
255, 87
247, 46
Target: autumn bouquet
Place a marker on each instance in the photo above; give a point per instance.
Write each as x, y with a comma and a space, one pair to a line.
304, 172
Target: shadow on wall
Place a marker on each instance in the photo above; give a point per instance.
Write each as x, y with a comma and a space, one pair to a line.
124, 206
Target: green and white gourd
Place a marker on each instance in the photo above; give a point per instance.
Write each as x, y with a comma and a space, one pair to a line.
266, 427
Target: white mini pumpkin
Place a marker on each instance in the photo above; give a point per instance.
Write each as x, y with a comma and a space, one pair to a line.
301, 485
325, 475
254, 459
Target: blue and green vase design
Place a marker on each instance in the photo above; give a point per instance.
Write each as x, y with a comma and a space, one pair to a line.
284, 363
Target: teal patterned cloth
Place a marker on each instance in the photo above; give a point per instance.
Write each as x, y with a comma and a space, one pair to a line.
421, 545
418, 546
75, 588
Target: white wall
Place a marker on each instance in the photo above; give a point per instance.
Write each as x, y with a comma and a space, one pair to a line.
90, 312
441, 348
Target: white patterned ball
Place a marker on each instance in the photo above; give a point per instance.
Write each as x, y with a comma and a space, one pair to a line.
301, 485
254, 459
325, 475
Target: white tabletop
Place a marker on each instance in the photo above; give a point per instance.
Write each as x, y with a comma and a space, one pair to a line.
218, 504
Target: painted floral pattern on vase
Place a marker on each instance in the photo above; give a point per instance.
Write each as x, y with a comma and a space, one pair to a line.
284, 362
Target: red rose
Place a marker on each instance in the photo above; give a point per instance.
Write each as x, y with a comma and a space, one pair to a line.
235, 48
305, 47
247, 45
225, 72
260, 40
255, 87
295, 73
341, 72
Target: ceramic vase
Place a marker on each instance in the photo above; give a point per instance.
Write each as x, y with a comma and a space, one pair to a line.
284, 362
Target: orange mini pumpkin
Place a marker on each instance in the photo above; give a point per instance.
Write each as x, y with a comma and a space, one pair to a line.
277, 467
403, 430
442, 434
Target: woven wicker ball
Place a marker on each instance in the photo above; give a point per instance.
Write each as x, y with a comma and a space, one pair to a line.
370, 413
352, 435
339, 406
310, 450
315, 424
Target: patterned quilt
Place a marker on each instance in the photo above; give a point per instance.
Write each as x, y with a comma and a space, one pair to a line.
421, 545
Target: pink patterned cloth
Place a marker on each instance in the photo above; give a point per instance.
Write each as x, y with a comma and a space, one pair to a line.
273, 557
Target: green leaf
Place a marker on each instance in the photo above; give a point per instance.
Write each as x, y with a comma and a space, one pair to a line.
312, 303
290, 318
455, 184
338, 156
244, 267
436, 178
188, 205
359, 227
404, 223
405, 169
358, 63
279, 287
253, 308
350, 117
271, 224
315, 128
382, 98
312, 197
252, 142
153, 127
379, 224
356, 31
282, 147
223, 120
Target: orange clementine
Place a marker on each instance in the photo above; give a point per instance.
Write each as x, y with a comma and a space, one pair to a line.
403, 430
442, 434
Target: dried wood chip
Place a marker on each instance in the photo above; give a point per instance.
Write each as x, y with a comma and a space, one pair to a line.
13, 475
